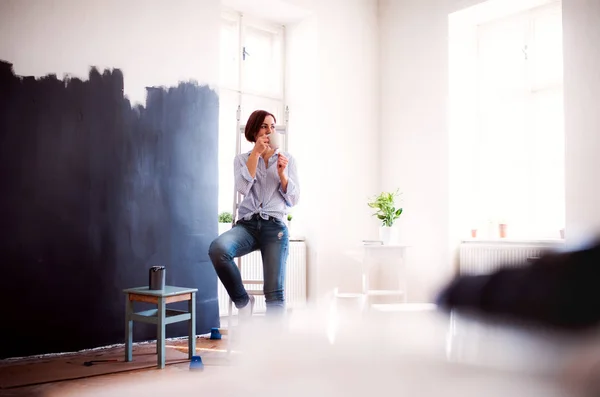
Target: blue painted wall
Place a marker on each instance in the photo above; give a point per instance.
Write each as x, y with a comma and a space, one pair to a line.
94, 193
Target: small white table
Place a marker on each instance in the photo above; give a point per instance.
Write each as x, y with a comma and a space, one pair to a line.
370, 255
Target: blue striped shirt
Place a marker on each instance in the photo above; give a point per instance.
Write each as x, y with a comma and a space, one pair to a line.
263, 194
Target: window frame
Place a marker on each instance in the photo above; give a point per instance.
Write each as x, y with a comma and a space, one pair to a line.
241, 95
243, 22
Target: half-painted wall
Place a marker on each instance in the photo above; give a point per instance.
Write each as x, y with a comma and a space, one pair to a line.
98, 188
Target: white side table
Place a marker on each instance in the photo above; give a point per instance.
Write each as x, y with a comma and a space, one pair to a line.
388, 255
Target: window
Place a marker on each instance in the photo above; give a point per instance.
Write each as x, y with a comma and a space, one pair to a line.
518, 154
252, 77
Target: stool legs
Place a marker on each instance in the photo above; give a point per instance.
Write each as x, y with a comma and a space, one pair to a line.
128, 328
160, 330
160, 321
192, 326
229, 325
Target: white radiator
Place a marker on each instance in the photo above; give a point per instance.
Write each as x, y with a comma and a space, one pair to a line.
295, 279
487, 257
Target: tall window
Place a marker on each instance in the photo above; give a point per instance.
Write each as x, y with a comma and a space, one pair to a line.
518, 165
252, 77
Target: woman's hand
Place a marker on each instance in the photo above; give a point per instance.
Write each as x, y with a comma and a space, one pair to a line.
261, 145
282, 163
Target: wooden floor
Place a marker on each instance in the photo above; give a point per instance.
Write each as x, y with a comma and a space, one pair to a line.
212, 351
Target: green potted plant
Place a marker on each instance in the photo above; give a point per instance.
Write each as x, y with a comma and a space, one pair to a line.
387, 213
289, 224
225, 221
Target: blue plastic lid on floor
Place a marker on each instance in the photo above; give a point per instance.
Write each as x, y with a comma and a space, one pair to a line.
196, 363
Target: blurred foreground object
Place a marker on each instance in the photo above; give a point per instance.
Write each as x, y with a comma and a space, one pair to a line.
559, 289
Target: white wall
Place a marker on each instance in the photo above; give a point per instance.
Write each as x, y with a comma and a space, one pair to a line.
154, 42
301, 86
349, 138
414, 137
334, 126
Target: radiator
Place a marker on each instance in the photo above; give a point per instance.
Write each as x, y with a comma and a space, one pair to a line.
295, 281
487, 257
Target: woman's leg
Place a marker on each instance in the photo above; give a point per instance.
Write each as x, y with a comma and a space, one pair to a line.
238, 241
274, 246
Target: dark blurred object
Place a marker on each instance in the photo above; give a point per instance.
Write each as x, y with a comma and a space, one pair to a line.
559, 289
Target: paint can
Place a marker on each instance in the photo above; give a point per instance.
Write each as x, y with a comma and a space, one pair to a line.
157, 278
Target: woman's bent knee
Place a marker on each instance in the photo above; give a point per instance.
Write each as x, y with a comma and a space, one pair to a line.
217, 251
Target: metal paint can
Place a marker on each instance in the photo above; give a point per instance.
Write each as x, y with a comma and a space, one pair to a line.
157, 278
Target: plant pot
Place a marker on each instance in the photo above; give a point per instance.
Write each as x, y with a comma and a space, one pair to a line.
387, 235
503, 230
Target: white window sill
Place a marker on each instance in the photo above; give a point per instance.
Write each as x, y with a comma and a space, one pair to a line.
552, 241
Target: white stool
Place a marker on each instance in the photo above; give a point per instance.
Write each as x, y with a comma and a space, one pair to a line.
254, 292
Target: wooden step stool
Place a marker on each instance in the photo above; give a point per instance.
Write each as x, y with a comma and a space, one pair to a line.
161, 316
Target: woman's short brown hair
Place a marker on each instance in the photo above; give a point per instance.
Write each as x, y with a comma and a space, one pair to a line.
255, 120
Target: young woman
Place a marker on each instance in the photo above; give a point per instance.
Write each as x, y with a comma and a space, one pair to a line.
268, 180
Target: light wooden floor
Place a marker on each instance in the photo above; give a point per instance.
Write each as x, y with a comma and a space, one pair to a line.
79, 387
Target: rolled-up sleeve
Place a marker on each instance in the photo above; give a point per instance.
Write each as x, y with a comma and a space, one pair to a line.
243, 179
292, 194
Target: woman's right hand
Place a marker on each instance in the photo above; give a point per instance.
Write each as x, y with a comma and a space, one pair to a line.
261, 144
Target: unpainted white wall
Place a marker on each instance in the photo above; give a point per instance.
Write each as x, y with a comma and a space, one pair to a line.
153, 42
334, 126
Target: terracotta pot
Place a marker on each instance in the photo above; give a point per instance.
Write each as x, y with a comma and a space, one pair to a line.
503, 228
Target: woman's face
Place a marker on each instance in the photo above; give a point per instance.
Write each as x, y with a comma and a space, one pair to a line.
267, 127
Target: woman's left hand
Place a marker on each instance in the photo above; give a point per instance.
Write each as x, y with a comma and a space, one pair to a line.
282, 162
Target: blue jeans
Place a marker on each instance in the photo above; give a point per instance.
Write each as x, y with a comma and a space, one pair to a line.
272, 239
